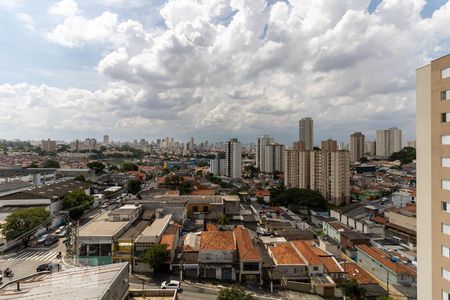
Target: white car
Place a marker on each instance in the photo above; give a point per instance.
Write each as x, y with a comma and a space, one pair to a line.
42, 238
60, 228
105, 205
171, 285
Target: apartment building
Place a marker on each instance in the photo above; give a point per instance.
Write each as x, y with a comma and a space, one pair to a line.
388, 141
326, 170
306, 132
48, 145
273, 158
357, 143
261, 144
433, 179
233, 157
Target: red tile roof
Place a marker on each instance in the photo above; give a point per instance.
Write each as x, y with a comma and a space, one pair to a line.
379, 220
331, 264
169, 240
262, 193
203, 192
355, 271
211, 227
247, 251
384, 259
217, 240
285, 254
308, 254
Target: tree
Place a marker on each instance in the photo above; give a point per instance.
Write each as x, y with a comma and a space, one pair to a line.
385, 298
23, 221
295, 196
364, 160
97, 166
33, 164
76, 202
405, 156
234, 293
155, 256
50, 163
223, 220
80, 178
134, 186
129, 166
352, 289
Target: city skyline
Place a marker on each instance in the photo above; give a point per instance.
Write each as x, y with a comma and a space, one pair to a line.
155, 68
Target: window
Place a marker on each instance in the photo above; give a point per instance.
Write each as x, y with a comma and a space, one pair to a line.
446, 229
445, 206
445, 162
445, 73
446, 251
445, 295
446, 185
445, 95
195, 208
446, 274
445, 139
445, 117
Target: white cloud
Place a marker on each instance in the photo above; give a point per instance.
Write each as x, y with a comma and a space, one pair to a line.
77, 30
235, 67
65, 8
26, 20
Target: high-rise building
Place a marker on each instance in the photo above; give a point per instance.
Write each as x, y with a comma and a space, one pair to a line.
433, 179
326, 170
217, 165
306, 132
105, 139
233, 157
388, 141
48, 145
273, 158
260, 148
357, 142
370, 148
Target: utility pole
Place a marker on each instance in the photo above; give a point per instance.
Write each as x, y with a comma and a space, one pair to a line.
387, 282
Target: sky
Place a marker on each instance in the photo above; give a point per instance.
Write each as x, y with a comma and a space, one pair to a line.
213, 69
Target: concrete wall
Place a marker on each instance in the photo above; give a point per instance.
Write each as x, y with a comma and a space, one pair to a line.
216, 256
119, 288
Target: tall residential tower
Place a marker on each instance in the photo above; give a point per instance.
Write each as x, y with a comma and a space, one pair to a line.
306, 132
357, 143
233, 156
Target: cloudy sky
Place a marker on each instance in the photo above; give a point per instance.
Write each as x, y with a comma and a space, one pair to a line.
213, 69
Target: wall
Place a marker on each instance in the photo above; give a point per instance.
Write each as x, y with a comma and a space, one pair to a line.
216, 256
408, 222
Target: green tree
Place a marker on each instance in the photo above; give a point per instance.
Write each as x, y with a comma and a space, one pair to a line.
80, 178
76, 202
352, 289
97, 166
405, 156
385, 298
134, 186
155, 256
50, 163
33, 164
295, 196
129, 166
234, 293
223, 220
364, 160
23, 221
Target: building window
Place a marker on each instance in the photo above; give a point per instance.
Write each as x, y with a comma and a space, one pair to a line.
445, 184
445, 73
445, 162
195, 208
446, 229
446, 274
445, 295
445, 139
445, 95
445, 206
446, 251
445, 117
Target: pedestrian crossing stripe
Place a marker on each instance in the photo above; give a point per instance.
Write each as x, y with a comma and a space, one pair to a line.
33, 255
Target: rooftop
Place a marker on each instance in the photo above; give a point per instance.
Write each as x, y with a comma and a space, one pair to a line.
355, 271
154, 231
72, 283
101, 226
285, 254
384, 259
247, 250
217, 240
14, 185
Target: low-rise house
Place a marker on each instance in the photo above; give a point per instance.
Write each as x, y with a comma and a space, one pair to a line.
250, 260
217, 255
381, 264
350, 239
288, 262
364, 279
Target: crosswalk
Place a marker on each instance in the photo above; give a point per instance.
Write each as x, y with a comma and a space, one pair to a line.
33, 255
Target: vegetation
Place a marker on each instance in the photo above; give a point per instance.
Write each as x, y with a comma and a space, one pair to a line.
302, 197
23, 221
352, 289
385, 298
97, 166
80, 178
364, 160
223, 220
50, 164
129, 166
155, 256
134, 186
234, 293
405, 156
179, 183
76, 202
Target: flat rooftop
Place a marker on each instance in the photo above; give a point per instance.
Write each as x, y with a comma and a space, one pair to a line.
14, 185
154, 231
73, 283
101, 226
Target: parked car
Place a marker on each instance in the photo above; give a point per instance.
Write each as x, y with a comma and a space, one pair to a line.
60, 228
105, 205
42, 238
50, 240
63, 233
49, 267
171, 285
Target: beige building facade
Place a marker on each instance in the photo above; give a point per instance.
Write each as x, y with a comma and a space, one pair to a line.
433, 179
357, 143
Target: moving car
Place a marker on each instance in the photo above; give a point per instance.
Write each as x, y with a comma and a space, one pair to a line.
42, 238
50, 240
105, 205
63, 233
171, 285
60, 228
49, 267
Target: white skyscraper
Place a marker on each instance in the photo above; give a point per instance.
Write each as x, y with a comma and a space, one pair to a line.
260, 149
106, 139
233, 157
388, 141
306, 132
273, 158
